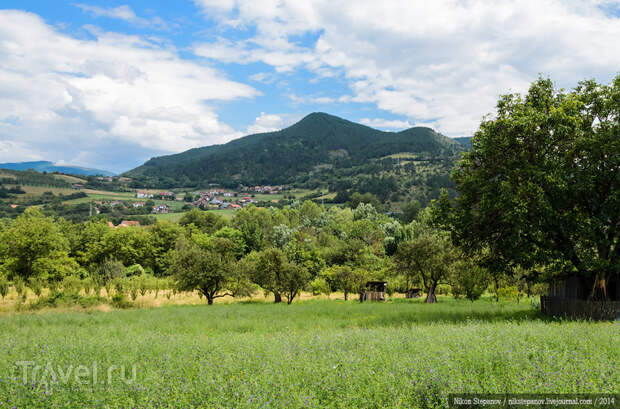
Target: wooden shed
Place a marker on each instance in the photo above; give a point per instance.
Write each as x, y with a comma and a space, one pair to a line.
374, 291
568, 297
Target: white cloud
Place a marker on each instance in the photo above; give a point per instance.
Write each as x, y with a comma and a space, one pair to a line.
311, 99
386, 123
442, 61
114, 99
271, 122
125, 13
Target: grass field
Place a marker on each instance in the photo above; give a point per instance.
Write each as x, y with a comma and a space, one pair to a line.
319, 353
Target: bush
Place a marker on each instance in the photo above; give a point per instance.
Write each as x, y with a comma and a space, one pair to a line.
4, 287
120, 301
509, 292
65, 300
319, 286
71, 285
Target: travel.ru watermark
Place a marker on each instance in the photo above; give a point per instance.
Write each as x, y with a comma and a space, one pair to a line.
49, 375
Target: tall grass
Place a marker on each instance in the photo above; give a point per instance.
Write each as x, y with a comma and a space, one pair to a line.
318, 354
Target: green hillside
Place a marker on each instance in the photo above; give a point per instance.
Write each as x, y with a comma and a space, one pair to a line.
320, 151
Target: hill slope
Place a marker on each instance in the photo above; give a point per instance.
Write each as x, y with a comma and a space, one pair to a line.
318, 145
45, 166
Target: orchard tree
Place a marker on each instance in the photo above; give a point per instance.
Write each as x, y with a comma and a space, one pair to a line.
469, 280
428, 257
274, 273
345, 279
208, 271
539, 188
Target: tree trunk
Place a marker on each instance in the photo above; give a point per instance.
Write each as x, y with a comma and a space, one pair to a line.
277, 297
599, 289
430, 296
210, 300
345, 294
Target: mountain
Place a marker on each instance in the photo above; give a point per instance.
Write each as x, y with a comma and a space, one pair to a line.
465, 140
317, 141
45, 166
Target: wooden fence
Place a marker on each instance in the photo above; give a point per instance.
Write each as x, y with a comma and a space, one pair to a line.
579, 309
373, 296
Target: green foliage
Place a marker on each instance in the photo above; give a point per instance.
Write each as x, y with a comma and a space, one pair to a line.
539, 189
71, 285
428, 257
346, 279
208, 271
274, 273
320, 286
4, 286
34, 246
468, 280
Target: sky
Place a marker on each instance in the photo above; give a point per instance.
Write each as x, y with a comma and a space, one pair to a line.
110, 84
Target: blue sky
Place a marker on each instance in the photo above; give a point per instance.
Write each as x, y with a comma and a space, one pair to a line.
109, 84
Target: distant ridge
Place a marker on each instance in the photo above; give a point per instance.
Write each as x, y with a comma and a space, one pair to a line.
46, 166
289, 156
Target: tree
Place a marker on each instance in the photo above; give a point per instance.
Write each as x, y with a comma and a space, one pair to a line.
205, 270
468, 279
428, 256
276, 274
410, 211
346, 279
206, 222
34, 246
4, 286
539, 188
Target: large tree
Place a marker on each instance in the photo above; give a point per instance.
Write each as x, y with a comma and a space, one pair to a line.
209, 269
540, 187
429, 257
34, 247
275, 273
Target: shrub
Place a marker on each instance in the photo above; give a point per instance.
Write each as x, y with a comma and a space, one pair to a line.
71, 285
120, 301
36, 285
510, 292
4, 287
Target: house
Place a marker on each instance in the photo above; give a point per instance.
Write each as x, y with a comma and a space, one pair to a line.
166, 195
138, 204
203, 201
78, 186
14, 206
110, 224
160, 209
143, 194
235, 206
115, 203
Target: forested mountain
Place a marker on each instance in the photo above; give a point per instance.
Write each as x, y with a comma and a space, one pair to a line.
46, 166
320, 151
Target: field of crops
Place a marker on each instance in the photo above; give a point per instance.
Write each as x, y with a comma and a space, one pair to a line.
318, 354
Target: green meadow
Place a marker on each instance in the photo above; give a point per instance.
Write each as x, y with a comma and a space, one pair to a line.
316, 353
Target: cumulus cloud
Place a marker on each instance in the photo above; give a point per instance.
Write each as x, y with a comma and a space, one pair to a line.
444, 62
271, 122
116, 99
125, 13
381, 123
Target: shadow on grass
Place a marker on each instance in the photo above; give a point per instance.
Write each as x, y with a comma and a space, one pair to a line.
454, 313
